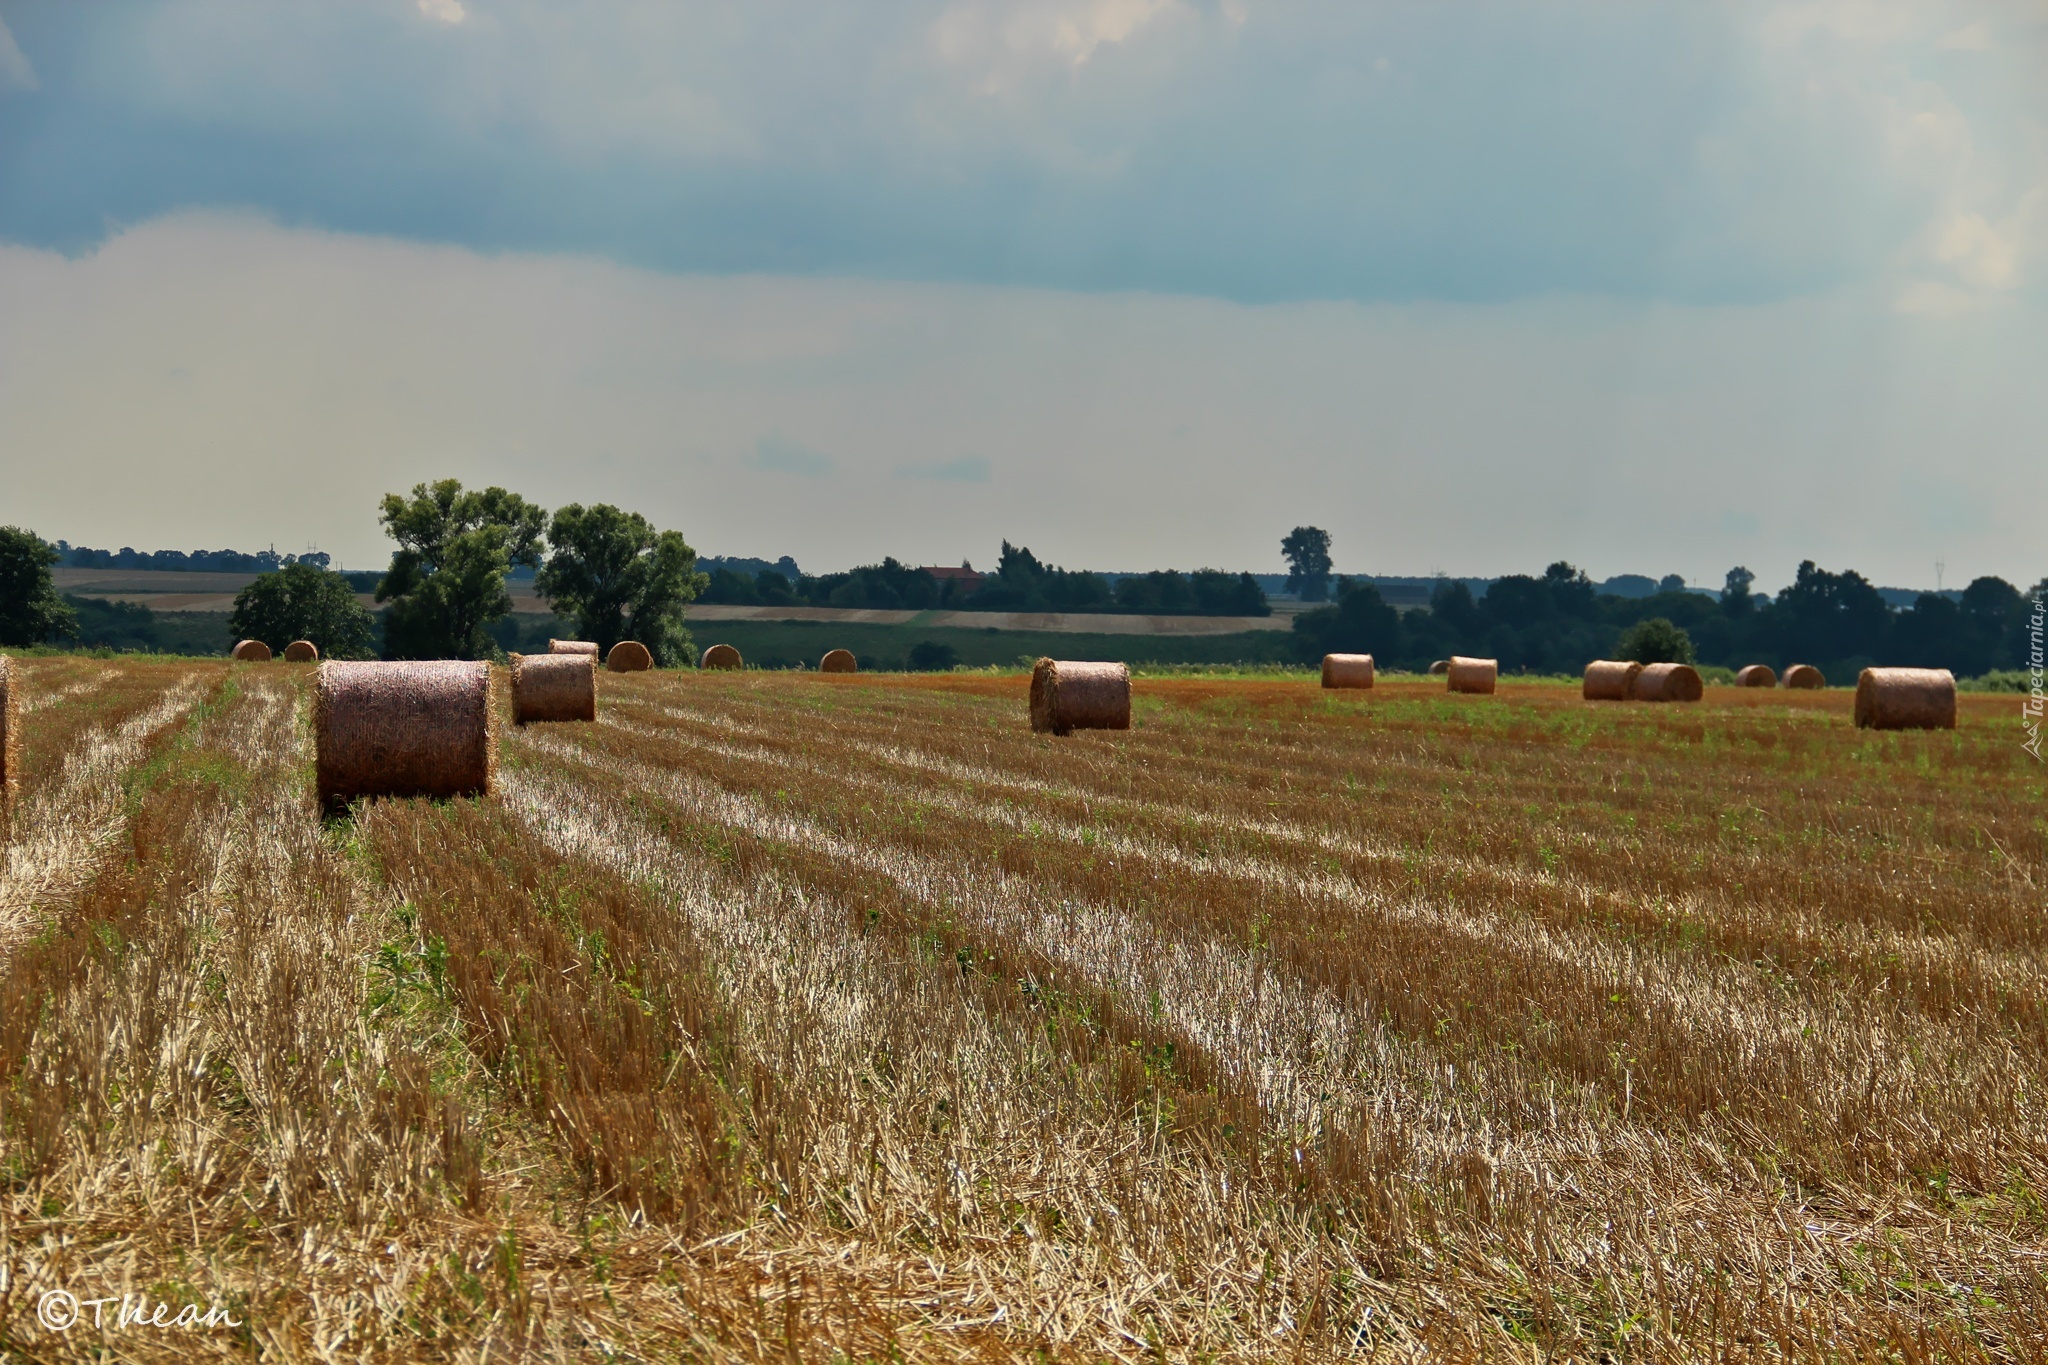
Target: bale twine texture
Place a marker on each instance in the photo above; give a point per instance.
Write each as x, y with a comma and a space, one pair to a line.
839, 661
10, 733
1347, 670
720, 656
629, 656
1610, 679
1906, 699
403, 729
252, 652
1067, 695
1669, 682
1804, 676
573, 647
1470, 675
1756, 675
1441, 666
302, 652
554, 687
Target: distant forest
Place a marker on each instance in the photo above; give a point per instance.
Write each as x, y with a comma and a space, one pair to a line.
174, 561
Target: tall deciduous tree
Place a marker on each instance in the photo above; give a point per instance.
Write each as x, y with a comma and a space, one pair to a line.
31, 612
446, 584
303, 602
1307, 549
621, 579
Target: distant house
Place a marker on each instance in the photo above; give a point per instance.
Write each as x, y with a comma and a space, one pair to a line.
966, 582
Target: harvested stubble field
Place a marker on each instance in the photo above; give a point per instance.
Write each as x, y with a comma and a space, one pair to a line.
796, 1017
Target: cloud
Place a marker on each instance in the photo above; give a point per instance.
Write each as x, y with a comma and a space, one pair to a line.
966, 469
16, 75
1971, 37
778, 456
448, 12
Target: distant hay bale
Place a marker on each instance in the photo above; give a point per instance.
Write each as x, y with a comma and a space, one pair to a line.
1440, 666
1470, 675
553, 687
573, 647
629, 656
839, 661
302, 652
721, 656
1347, 670
1803, 676
1756, 675
1067, 695
1610, 679
10, 732
1669, 682
1906, 699
252, 652
403, 729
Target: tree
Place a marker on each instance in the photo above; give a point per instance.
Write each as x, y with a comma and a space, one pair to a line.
1671, 582
446, 584
1307, 549
1655, 641
929, 656
31, 612
621, 580
1735, 595
302, 602
1361, 622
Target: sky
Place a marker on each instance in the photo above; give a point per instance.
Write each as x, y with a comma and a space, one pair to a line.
1138, 283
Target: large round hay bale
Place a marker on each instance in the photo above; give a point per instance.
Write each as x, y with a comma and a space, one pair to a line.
1906, 699
629, 656
554, 687
839, 661
1470, 675
1068, 695
1610, 680
1440, 667
1347, 670
573, 647
1669, 682
302, 652
1803, 676
252, 652
1756, 675
10, 732
403, 729
720, 656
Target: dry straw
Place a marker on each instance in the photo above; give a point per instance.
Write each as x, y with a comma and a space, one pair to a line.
1669, 682
1803, 676
1610, 679
721, 656
573, 647
1067, 695
302, 652
10, 733
1470, 675
403, 729
1906, 699
1440, 666
554, 687
1756, 675
629, 656
1347, 670
252, 652
839, 661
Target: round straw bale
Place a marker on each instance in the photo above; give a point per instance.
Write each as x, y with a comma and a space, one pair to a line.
1441, 666
554, 687
1067, 695
1756, 675
302, 652
403, 729
252, 652
1470, 675
1906, 699
10, 732
629, 656
1803, 676
1669, 682
720, 656
573, 647
839, 661
1347, 670
1610, 679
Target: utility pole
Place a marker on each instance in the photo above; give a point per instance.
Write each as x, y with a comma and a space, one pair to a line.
1938, 567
